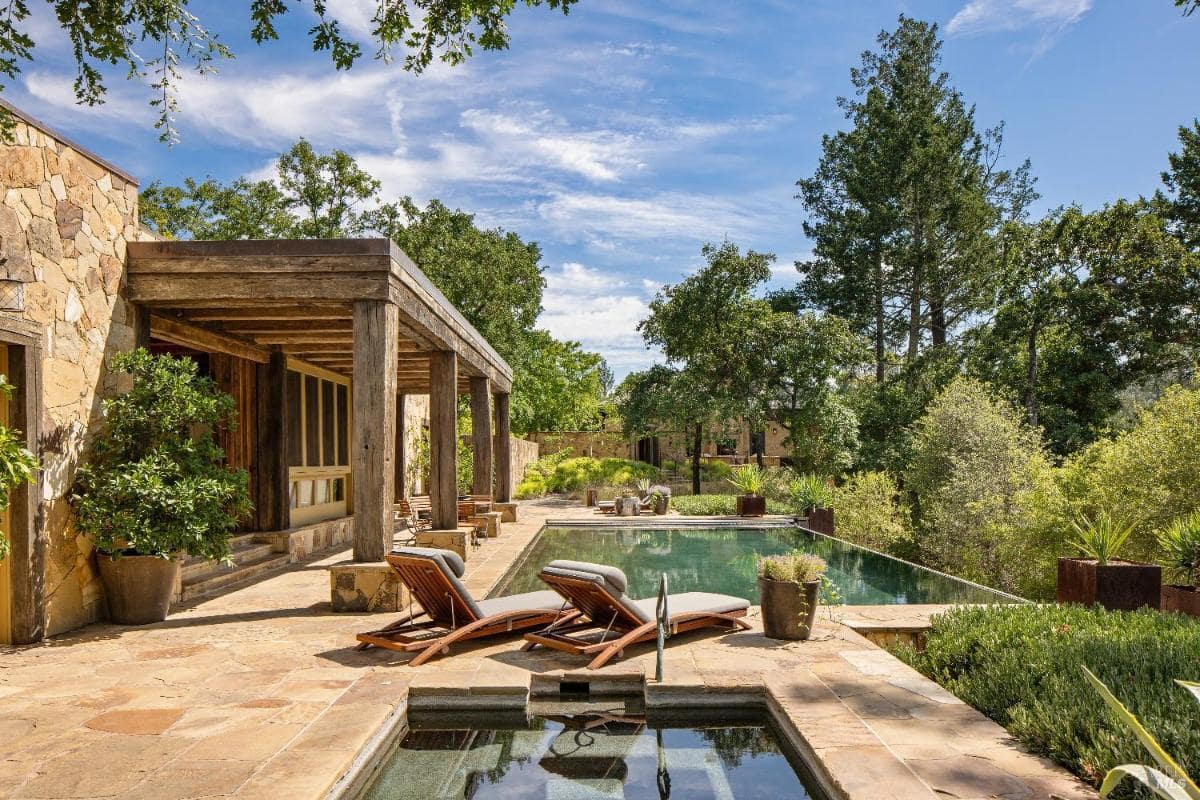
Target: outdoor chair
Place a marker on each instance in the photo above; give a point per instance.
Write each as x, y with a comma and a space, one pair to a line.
468, 516
598, 593
410, 511
432, 577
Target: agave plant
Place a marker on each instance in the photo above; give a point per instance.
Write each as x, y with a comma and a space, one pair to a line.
749, 479
1180, 545
1100, 538
1167, 780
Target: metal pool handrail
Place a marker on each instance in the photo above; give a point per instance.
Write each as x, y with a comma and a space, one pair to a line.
662, 617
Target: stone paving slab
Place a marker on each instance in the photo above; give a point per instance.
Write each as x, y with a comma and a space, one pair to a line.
260, 693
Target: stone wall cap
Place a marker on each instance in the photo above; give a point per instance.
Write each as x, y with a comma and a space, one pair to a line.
33, 121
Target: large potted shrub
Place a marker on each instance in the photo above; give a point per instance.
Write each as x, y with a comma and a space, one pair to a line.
812, 497
750, 480
661, 495
1180, 544
156, 487
17, 465
789, 590
1098, 576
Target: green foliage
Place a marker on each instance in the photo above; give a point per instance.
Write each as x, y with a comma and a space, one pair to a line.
1179, 543
714, 505
870, 511
464, 467
749, 479
978, 474
1149, 474
17, 464
1181, 202
810, 491
156, 484
119, 33
794, 567
1100, 538
1022, 666
711, 469
562, 473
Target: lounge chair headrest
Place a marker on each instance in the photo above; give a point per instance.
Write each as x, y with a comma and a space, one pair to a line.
448, 558
614, 576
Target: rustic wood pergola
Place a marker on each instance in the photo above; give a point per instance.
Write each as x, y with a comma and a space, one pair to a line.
361, 309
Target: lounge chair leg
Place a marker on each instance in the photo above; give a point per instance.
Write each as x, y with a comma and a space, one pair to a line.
618, 646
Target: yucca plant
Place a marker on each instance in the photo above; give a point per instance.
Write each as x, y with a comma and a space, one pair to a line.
1168, 780
1100, 538
1180, 545
749, 479
810, 491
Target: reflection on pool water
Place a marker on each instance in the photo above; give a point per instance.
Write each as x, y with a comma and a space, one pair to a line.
724, 560
723, 755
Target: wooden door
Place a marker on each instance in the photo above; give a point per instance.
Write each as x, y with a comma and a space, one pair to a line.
6, 526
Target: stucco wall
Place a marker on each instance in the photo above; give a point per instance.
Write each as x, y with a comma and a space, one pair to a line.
64, 222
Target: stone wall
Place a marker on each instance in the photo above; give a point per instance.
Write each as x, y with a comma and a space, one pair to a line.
524, 453
64, 220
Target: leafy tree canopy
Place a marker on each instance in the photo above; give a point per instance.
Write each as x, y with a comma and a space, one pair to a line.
121, 33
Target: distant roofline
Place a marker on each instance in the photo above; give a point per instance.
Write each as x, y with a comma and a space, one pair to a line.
71, 143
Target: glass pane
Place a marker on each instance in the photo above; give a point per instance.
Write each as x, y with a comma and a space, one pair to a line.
306, 493
343, 422
312, 422
292, 428
294, 495
320, 492
327, 422
339, 489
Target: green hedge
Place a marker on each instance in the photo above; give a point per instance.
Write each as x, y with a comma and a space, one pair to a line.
560, 473
1021, 666
715, 505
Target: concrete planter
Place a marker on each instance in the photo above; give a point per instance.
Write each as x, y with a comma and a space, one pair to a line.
1181, 599
751, 505
789, 609
627, 506
1117, 586
139, 588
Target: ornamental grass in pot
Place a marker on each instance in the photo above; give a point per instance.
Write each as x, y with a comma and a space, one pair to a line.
156, 487
812, 496
1098, 576
789, 591
750, 480
1180, 545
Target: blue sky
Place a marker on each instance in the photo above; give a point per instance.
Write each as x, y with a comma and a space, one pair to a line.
628, 133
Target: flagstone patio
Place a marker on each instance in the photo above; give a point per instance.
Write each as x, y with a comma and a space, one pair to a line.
259, 693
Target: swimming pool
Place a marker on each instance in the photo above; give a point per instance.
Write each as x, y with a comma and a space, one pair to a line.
731, 755
724, 560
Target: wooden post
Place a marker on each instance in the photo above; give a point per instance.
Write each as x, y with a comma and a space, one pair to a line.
401, 479
376, 351
272, 487
504, 486
141, 326
27, 534
481, 436
443, 438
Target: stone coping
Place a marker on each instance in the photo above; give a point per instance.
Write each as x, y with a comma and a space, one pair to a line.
260, 693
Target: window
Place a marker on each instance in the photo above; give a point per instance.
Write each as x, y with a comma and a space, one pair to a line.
318, 442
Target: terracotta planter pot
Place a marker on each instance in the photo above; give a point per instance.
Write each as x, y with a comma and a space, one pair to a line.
820, 520
627, 506
1181, 599
1117, 586
751, 505
139, 588
788, 609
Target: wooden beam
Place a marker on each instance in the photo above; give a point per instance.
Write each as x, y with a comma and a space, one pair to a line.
443, 439
374, 438
251, 328
481, 436
308, 311
299, 337
141, 327
504, 476
401, 462
273, 489
206, 339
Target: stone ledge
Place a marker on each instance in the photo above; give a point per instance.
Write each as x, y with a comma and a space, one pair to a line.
458, 540
508, 511
370, 586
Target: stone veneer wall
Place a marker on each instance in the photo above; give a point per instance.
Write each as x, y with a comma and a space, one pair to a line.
64, 221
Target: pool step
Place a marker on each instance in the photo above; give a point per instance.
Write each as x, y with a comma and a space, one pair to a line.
251, 559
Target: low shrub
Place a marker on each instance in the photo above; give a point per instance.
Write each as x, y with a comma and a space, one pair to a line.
711, 469
1020, 665
714, 505
870, 511
562, 473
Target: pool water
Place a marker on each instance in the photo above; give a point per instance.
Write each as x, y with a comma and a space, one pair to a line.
724, 560
590, 756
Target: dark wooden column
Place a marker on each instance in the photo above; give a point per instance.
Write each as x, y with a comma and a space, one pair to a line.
272, 488
443, 438
481, 436
503, 451
401, 479
141, 325
376, 350
27, 534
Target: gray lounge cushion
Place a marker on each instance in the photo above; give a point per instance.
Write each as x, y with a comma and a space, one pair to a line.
544, 600
615, 577
602, 576
696, 602
452, 567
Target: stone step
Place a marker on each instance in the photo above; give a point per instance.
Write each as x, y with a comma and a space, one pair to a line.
195, 568
221, 577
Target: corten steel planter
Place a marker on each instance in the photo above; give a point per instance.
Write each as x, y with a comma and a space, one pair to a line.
627, 506
751, 505
789, 609
1181, 599
820, 520
1117, 586
592, 495
139, 588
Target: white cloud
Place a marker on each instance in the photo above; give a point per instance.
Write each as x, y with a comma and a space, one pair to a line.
599, 309
1051, 17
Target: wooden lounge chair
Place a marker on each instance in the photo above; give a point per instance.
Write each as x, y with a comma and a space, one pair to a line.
432, 576
410, 511
598, 592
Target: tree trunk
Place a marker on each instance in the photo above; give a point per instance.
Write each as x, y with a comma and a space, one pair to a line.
914, 321
937, 322
879, 318
697, 443
1031, 374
